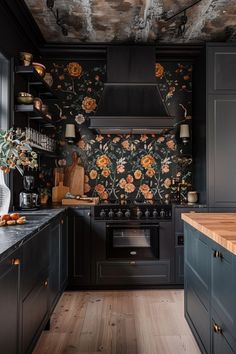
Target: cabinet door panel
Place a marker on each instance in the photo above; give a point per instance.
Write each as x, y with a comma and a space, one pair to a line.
64, 255
54, 274
221, 151
79, 247
221, 69
9, 305
222, 341
223, 287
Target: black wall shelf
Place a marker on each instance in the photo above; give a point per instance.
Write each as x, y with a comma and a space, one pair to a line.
34, 79
34, 113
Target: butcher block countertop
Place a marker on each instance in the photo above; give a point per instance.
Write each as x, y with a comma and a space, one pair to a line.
220, 227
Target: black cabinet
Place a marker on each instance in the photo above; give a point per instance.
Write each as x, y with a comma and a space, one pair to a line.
63, 252
54, 268
79, 240
9, 303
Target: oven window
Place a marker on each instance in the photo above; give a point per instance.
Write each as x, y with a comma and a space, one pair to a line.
131, 237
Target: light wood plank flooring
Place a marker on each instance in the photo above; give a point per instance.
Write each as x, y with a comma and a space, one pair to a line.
119, 322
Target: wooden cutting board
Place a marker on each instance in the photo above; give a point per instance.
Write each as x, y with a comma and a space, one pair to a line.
93, 201
59, 192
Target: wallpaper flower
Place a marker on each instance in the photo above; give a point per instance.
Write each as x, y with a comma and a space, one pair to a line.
123, 166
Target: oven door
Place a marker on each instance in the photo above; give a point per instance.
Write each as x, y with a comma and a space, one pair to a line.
132, 240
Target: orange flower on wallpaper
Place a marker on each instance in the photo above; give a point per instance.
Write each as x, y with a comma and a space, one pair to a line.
93, 174
150, 172
126, 144
165, 168
106, 172
167, 183
129, 179
137, 174
144, 188
148, 195
87, 188
104, 195
82, 144
86, 179
159, 70
89, 104
129, 188
171, 144
147, 161
99, 138
74, 69
99, 188
143, 137
103, 161
122, 183
116, 139
120, 168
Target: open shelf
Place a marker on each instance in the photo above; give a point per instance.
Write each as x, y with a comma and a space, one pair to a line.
34, 113
43, 152
34, 79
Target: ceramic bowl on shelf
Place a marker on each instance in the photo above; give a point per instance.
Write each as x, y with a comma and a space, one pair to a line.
38, 103
40, 68
24, 98
26, 58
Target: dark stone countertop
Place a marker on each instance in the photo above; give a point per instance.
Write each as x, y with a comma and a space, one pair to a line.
12, 237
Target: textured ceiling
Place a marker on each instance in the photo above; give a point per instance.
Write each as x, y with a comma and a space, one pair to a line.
135, 20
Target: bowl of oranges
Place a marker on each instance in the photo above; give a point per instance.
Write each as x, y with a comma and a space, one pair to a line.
12, 219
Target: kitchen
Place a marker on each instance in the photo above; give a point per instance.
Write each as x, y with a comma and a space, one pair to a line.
117, 203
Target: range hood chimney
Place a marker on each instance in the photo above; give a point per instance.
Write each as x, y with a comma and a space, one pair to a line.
131, 101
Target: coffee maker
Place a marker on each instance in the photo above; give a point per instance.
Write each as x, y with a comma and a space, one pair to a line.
29, 197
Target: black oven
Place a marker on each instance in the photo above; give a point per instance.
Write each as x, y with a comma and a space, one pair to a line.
132, 240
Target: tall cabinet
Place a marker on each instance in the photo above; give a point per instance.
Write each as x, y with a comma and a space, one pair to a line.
214, 126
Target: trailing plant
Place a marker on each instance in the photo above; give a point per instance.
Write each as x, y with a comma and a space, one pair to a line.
15, 151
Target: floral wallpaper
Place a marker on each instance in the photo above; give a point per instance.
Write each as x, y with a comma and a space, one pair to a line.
123, 166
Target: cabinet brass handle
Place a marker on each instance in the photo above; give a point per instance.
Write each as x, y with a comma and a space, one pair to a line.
46, 283
15, 261
132, 263
217, 328
89, 213
62, 221
217, 254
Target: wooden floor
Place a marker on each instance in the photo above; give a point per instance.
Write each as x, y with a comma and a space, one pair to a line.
119, 322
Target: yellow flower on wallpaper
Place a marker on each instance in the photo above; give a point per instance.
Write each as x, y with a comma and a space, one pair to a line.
102, 161
74, 69
89, 104
93, 174
144, 188
147, 161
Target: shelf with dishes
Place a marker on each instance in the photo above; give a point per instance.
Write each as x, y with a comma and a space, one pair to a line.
38, 79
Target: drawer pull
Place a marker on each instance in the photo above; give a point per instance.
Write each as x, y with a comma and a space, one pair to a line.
15, 261
217, 254
62, 221
132, 263
217, 328
89, 213
133, 253
46, 283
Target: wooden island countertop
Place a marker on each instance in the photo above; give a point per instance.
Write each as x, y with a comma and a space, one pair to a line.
220, 227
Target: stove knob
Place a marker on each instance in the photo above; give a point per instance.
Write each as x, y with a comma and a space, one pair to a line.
127, 213
111, 214
102, 213
162, 213
139, 213
147, 213
155, 213
119, 213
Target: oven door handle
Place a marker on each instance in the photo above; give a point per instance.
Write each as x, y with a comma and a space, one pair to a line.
118, 226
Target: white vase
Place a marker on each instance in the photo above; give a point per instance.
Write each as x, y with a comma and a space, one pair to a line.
5, 195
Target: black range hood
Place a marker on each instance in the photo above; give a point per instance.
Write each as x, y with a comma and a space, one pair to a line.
131, 101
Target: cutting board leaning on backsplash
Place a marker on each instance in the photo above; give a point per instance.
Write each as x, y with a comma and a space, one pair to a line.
74, 176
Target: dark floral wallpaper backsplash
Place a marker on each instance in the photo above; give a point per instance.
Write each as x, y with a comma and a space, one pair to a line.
130, 166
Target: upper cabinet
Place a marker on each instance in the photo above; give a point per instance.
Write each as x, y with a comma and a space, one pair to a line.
221, 70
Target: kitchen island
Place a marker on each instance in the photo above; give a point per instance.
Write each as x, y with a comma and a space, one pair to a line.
210, 280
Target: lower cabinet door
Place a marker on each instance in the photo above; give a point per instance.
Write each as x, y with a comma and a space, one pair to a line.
133, 272
34, 312
179, 254
222, 340
54, 269
9, 305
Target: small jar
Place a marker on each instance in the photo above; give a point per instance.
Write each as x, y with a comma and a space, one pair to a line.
192, 197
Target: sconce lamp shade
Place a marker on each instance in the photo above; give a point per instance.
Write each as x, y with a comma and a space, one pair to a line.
184, 131
70, 131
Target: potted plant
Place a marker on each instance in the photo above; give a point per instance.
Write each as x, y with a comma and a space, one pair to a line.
15, 153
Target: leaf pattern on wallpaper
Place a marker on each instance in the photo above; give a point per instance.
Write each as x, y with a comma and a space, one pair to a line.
131, 166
